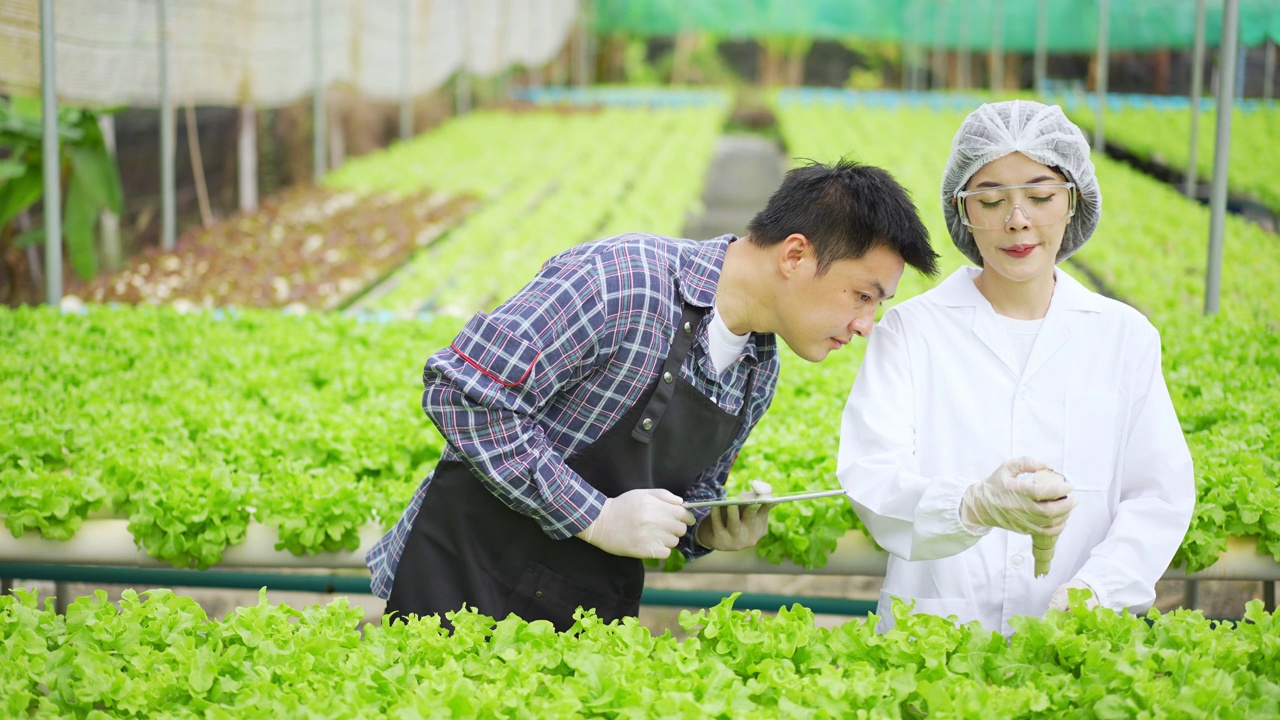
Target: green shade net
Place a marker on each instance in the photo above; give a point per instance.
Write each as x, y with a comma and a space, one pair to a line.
969, 24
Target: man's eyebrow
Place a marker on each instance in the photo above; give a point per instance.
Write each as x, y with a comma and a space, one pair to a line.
880, 289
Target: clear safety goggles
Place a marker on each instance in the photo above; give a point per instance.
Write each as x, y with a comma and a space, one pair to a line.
1040, 203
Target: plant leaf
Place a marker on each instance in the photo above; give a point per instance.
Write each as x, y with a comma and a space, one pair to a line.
96, 171
18, 194
34, 236
10, 169
78, 221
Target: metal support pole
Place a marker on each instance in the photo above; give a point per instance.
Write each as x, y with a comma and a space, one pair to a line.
583, 59
1042, 46
922, 68
1104, 17
461, 80
907, 74
939, 64
1242, 67
1269, 596
964, 60
908, 67
319, 134
1268, 69
997, 48
921, 62
539, 68
462, 92
406, 67
1221, 154
247, 156
1197, 89
52, 158
1191, 594
168, 135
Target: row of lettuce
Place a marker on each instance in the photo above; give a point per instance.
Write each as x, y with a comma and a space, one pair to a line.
551, 179
194, 425
510, 189
159, 655
1163, 137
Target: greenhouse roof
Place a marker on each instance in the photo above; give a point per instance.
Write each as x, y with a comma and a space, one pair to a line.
967, 24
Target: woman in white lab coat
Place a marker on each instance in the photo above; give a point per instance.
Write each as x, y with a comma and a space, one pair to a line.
1012, 368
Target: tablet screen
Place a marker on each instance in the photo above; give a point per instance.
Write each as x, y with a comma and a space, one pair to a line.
781, 498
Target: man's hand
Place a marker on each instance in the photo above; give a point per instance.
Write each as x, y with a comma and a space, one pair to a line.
735, 527
1016, 501
642, 524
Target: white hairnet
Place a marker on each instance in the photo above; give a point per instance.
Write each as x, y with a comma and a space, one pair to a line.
1042, 133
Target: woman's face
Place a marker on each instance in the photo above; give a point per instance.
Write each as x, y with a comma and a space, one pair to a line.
1017, 249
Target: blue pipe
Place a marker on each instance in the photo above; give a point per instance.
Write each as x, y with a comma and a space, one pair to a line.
359, 584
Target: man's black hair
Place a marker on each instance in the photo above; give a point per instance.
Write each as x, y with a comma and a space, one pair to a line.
845, 209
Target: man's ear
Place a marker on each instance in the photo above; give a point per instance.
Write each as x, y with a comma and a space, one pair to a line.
793, 252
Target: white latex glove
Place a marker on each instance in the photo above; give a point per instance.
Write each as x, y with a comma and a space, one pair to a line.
1019, 502
1059, 599
642, 524
734, 527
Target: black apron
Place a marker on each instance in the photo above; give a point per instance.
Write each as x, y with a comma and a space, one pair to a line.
466, 546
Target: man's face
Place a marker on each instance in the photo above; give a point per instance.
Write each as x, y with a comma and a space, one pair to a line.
821, 313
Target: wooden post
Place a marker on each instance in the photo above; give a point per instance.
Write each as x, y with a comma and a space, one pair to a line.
197, 166
109, 222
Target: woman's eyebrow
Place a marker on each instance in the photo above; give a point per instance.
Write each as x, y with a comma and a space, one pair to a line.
1032, 181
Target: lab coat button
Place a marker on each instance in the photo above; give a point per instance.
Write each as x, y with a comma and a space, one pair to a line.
1023, 392
666, 377
537, 593
1016, 561
647, 424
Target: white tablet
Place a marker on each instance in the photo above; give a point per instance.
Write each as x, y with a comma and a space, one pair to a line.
784, 497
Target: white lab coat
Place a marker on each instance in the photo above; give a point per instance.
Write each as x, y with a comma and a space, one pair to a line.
939, 404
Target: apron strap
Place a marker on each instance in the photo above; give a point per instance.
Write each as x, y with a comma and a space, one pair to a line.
690, 317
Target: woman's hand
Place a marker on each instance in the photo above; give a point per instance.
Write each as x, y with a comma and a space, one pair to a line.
1014, 499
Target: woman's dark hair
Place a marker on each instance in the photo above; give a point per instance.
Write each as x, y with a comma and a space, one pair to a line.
845, 209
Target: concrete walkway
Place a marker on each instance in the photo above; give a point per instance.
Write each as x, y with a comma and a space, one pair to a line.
744, 172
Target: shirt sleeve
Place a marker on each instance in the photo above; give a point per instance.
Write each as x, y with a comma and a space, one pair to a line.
1157, 497
481, 392
911, 516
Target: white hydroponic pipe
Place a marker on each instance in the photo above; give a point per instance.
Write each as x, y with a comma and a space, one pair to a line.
108, 542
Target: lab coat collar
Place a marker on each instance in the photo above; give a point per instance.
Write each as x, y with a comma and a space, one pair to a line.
1069, 298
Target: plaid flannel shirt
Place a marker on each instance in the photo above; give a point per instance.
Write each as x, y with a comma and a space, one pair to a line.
551, 369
